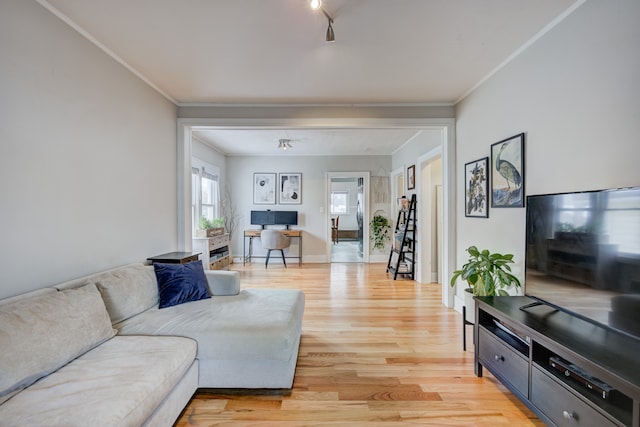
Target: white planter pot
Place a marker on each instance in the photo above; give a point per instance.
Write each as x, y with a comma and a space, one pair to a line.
470, 305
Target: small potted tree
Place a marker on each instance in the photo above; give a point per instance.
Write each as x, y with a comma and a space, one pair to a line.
487, 274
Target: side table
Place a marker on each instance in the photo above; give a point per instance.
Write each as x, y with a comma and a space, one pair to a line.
175, 257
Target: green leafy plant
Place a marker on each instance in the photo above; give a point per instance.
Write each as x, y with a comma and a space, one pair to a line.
380, 227
205, 223
487, 274
218, 222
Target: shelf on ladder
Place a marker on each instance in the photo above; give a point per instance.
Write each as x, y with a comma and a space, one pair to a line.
402, 254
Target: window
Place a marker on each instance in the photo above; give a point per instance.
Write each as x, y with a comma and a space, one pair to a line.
339, 202
205, 196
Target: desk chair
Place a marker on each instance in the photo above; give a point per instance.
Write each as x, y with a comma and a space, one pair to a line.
334, 229
274, 240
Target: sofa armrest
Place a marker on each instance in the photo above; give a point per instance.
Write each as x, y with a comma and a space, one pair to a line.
222, 282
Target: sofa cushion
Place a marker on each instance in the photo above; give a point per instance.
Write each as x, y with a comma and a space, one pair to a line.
256, 324
119, 383
222, 282
39, 335
32, 294
128, 291
180, 283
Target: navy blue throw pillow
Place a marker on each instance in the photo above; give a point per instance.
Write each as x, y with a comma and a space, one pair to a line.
180, 283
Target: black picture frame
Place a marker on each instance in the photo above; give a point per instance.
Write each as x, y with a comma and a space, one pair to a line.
411, 177
476, 188
290, 188
507, 173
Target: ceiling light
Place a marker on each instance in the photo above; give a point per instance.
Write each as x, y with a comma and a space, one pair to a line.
284, 144
317, 5
331, 37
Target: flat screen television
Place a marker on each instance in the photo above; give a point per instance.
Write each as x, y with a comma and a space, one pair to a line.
264, 218
583, 255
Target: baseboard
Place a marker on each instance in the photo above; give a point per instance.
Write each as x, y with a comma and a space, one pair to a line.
458, 303
375, 258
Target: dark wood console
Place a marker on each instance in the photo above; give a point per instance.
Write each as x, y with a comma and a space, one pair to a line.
569, 371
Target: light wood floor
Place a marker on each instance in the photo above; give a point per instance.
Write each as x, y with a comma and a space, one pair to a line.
374, 352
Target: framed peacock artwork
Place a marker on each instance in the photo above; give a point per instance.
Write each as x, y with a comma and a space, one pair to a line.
507, 172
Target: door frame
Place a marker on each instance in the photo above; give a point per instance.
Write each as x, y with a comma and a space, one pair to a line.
447, 126
366, 210
446, 152
426, 197
395, 177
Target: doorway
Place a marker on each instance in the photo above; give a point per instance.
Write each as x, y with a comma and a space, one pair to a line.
397, 190
347, 211
432, 217
447, 152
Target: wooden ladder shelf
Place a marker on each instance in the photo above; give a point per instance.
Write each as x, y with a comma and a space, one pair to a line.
403, 250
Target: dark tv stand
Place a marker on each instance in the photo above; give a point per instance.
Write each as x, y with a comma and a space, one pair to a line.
530, 305
566, 369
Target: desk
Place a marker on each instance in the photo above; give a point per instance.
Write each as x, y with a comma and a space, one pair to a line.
251, 234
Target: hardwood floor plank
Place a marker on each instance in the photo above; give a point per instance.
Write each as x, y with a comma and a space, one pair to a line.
324, 405
374, 352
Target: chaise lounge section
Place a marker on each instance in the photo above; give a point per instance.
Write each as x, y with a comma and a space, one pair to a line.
99, 350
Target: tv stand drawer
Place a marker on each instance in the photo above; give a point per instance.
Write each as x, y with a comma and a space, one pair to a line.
562, 406
503, 361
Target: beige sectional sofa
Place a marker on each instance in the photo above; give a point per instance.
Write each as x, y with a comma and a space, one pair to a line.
98, 351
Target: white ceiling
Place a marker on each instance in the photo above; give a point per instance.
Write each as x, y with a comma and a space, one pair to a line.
307, 142
255, 52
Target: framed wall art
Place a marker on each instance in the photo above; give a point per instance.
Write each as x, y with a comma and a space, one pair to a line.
507, 172
476, 178
264, 188
411, 177
290, 188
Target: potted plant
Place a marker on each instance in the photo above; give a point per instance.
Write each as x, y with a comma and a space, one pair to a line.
487, 274
380, 227
210, 228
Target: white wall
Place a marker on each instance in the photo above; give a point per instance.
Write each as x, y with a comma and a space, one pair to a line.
424, 141
88, 163
312, 212
576, 95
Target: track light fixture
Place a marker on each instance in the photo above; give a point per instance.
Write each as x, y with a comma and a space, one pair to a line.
317, 5
331, 37
284, 144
